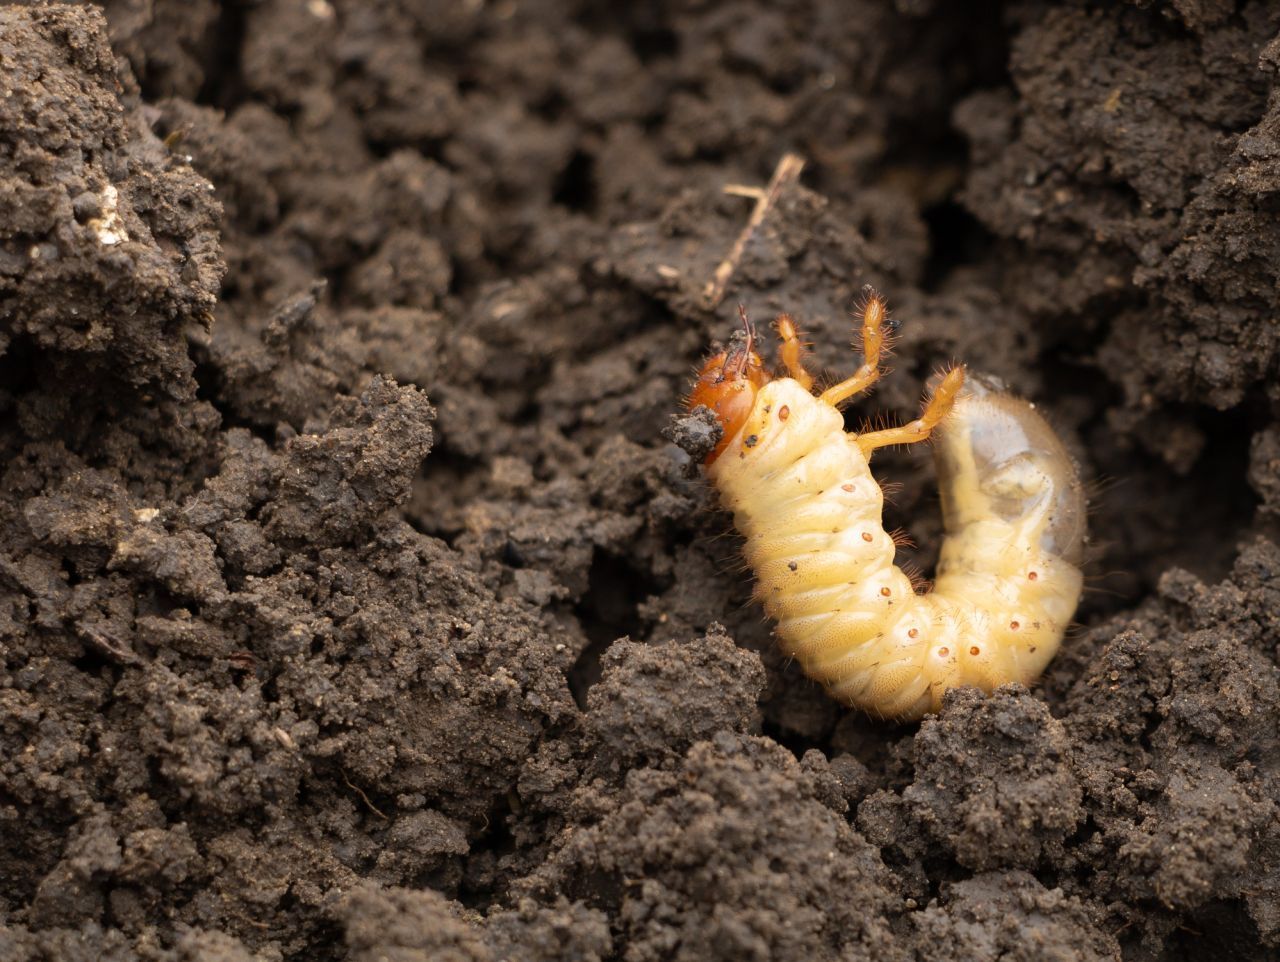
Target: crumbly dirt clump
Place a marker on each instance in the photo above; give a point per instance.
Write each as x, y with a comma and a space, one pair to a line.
356, 603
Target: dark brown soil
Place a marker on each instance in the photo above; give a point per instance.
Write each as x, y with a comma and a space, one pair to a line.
274, 687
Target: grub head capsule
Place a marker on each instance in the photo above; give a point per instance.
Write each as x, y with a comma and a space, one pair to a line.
727, 385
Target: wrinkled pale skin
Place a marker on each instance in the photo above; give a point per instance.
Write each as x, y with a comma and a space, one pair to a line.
1008, 582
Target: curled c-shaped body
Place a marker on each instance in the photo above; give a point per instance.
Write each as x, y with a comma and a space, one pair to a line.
1008, 580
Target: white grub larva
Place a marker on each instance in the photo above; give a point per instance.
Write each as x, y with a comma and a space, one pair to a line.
802, 495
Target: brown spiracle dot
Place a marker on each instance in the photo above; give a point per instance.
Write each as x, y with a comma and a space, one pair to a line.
885, 591
943, 651
784, 412
1032, 576
975, 651
915, 633
846, 487
866, 536
1014, 626
792, 565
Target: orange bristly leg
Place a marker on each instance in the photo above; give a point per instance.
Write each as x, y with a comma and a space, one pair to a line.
873, 338
937, 408
792, 351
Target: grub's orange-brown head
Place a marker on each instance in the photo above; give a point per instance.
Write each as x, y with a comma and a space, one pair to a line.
727, 384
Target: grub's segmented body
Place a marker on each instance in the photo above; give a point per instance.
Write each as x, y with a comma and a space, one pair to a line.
803, 496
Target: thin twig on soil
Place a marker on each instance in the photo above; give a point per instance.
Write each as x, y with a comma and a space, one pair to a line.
787, 172
360, 791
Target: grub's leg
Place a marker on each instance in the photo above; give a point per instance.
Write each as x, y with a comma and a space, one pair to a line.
937, 408
791, 351
873, 337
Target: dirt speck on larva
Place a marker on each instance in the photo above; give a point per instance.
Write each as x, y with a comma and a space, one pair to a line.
696, 434
353, 603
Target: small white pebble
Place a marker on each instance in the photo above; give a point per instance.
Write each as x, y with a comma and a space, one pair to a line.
109, 227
